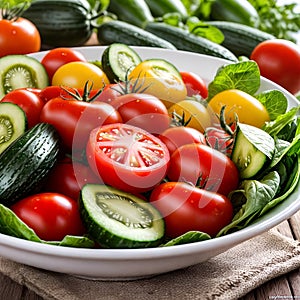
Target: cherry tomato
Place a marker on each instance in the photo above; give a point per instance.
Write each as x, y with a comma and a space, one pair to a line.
74, 119
188, 208
159, 79
241, 104
51, 215
68, 178
127, 157
174, 137
18, 36
279, 61
193, 113
144, 111
195, 85
205, 167
57, 57
75, 74
30, 103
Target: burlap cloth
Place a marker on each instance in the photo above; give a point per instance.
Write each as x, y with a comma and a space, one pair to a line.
227, 276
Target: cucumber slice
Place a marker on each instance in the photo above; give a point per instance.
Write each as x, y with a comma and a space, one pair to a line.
19, 71
118, 60
13, 123
252, 148
116, 219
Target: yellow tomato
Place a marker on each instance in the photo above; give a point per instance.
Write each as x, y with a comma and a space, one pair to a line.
161, 79
248, 109
76, 74
195, 111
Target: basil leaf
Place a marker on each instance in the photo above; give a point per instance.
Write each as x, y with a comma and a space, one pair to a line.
11, 225
294, 177
243, 75
187, 238
274, 127
74, 241
274, 101
254, 195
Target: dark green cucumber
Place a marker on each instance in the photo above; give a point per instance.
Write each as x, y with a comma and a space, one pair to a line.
122, 32
238, 11
135, 12
161, 7
116, 219
25, 163
19, 71
252, 149
117, 60
61, 22
13, 123
184, 40
240, 39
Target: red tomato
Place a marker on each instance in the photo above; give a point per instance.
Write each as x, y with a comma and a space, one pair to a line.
57, 57
31, 103
110, 92
204, 166
51, 215
18, 36
195, 85
174, 137
68, 178
144, 111
127, 157
187, 208
54, 91
74, 119
218, 139
279, 61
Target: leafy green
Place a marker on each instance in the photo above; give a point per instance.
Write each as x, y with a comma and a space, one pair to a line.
244, 75
254, 196
275, 102
11, 225
194, 26
283, 21
187, 238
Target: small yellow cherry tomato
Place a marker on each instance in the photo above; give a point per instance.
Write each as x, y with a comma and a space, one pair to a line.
248, 109
76, 74
159, 78
195, 111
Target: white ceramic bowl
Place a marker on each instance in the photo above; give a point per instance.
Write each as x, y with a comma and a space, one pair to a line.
129, 264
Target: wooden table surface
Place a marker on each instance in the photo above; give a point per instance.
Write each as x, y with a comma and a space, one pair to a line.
283, 287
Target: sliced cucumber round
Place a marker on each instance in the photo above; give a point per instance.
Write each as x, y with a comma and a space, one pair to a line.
19, 71
116, 219
118, 60
13, 123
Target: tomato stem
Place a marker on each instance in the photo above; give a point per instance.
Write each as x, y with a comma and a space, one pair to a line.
13, 13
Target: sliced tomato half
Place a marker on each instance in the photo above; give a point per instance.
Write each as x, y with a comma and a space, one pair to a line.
127, 157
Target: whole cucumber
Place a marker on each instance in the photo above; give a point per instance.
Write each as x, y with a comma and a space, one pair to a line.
135, 12
61, 22
161, 7
238, 11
